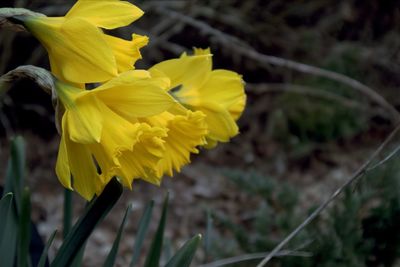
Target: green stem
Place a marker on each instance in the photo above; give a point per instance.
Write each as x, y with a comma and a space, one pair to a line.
67, 212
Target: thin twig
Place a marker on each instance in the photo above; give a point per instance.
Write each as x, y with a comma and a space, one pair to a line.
362, 170
255, 256
266, 60
383, 161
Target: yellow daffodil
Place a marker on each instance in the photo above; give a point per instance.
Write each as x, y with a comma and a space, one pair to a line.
219, 94
79, 51
102, 136
186, 130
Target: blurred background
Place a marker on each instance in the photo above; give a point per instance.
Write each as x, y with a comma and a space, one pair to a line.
304, 131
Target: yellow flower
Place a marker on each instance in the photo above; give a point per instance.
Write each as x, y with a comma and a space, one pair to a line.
186, 130
219, 94
102, 136
79, 51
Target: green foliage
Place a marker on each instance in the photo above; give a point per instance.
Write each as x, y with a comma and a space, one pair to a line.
8, 231
153, 257
141, 233
15, 228
110, 261
95, 212
185, 254
359, 229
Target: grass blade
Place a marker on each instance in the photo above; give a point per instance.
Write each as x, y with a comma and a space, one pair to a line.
110, 261
96, 211
141, 233
153, 258
185, 254
15, 171
43, 257
5, 211
24, 233
8, 228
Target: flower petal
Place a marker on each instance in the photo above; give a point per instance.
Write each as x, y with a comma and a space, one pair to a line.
120, 136
142, 161
77, 50
126, 52
85, 120
108, 14
185, 133
189, 71
133, 98
227, 89
220, 123
86, 180
88, 57
62, 167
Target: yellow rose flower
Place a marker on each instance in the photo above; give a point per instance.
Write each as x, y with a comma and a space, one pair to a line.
102, 136
79, 51
219, 94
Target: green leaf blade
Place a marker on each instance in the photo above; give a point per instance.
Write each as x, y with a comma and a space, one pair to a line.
95, 213
141, 233
153, 258
43, 257
9, 229
24, 229
110, 261
185, 254
16, 171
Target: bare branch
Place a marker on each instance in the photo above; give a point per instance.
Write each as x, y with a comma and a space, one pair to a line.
362, 170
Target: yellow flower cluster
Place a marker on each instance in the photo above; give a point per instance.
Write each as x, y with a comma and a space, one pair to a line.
136, 123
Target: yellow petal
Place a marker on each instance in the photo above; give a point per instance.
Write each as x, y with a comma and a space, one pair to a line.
85, 121
165, 82
189, 71
86, 180
135, 97
185, 133
201, 51
220, 123
118, 135
142, 161
126, 52
62, 167
106, 14
225, 88
125, 78
77, 50
211, 143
